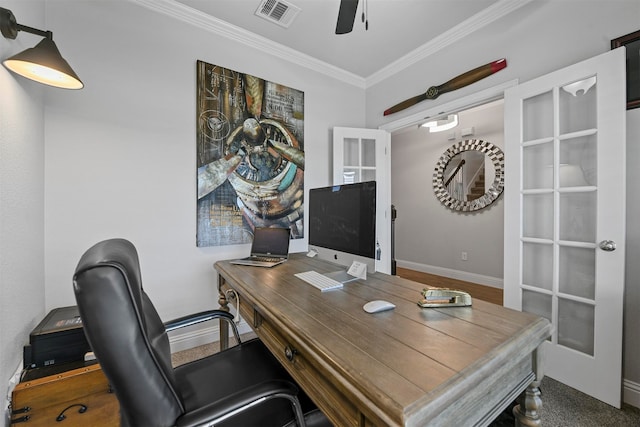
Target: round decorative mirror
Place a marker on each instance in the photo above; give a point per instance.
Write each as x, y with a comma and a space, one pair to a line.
463, 172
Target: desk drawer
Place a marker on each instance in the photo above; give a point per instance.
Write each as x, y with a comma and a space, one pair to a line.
327, 396
335, 400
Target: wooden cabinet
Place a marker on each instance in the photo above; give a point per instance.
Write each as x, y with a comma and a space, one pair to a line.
79, 397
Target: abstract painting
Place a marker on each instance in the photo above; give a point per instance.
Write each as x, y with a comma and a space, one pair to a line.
250, 156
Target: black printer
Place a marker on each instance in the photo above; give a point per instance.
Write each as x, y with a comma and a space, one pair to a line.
58, 338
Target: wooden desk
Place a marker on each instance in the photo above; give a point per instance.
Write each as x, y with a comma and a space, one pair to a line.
411, 366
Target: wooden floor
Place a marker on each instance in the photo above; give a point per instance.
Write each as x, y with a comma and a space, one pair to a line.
482, 292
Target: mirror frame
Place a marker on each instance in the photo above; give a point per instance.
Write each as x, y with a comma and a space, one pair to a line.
491, 195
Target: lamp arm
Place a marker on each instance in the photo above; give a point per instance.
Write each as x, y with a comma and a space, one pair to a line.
9, 27
31, 30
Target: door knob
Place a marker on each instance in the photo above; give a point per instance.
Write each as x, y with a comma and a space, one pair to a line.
608, 245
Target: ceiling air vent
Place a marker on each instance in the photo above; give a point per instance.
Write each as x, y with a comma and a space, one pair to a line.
278, 11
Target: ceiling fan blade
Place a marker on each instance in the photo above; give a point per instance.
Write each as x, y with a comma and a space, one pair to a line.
346, 16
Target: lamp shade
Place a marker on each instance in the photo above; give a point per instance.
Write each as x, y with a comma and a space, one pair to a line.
43, 63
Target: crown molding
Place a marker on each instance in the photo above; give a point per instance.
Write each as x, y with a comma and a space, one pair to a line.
224, 29
469, 26
217, 26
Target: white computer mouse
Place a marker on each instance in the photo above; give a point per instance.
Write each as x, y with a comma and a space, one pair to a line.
378, 306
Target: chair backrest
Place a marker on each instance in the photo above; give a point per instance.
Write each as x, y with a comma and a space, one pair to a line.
126, 334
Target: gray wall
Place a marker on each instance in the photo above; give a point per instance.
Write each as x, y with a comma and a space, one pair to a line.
120, 154
21, 198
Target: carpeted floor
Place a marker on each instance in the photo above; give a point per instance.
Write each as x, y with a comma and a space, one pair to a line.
562, 406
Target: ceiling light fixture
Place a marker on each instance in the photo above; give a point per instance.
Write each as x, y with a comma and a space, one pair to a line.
42, 63
442, 125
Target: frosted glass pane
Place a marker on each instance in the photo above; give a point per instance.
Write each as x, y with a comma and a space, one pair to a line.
368, 152
575, 325
578, 106
537, 117
537, 166
536, 303
578, 161
537, 265
368, 175
537, 216
577, 272
578, 217
351, 152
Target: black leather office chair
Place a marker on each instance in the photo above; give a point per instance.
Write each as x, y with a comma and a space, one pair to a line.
242, 386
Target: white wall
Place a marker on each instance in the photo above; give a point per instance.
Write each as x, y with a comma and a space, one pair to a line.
541, 37
538, 38
21, 197
121, 153
632, 271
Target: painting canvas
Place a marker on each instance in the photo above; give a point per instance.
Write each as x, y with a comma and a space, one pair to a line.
250, 156
631, 42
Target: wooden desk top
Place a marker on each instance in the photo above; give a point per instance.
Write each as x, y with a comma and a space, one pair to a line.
408, 366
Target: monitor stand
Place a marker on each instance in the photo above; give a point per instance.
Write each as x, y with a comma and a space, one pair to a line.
341, 276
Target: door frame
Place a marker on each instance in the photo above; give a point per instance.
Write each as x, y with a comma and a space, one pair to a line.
463, 103
478, 98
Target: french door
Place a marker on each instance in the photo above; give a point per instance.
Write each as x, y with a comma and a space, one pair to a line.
364, 155
565, 217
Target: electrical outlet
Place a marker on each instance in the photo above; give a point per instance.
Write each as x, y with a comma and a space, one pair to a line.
463, 256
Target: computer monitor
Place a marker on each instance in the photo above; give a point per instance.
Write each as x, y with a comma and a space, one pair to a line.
342, 225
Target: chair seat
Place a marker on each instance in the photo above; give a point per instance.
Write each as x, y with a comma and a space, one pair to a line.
217, 376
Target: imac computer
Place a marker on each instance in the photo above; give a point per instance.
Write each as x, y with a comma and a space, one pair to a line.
342, 226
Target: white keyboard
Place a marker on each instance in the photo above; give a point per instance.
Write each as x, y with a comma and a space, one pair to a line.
319, 281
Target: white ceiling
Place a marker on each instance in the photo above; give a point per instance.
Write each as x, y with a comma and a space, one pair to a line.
398, 29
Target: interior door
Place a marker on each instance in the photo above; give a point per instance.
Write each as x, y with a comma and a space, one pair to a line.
364, 155
565, 217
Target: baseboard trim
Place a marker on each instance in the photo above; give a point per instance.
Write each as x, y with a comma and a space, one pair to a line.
631, 393
195, 337
494, 282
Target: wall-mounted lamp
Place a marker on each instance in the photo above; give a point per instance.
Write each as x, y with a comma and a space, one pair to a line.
442, 125
42, 63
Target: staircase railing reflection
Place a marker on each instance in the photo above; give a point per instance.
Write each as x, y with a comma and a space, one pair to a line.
454, 183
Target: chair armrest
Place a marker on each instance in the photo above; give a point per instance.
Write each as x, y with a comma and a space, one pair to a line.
245, 399
203, 316
192, 319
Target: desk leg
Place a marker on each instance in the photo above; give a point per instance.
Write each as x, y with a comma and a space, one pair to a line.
224, 306
527, 412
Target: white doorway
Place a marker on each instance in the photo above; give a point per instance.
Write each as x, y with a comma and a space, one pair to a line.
430, 237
